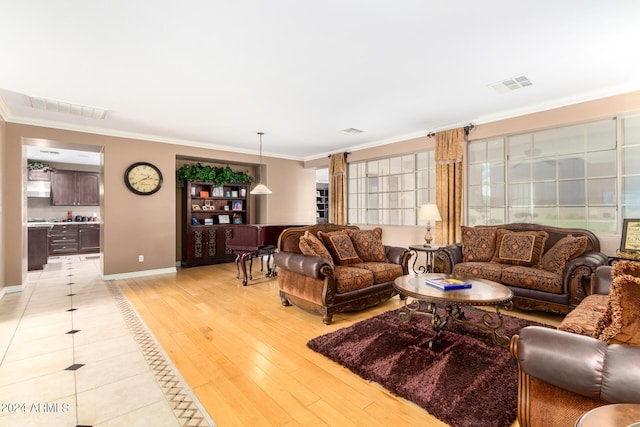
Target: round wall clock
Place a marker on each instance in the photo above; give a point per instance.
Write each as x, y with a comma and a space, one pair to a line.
143, 178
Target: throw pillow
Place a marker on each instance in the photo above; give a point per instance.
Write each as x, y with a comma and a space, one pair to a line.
522, 248
478, 243
566, 249
368, 244
309, 244
626, 267
623, 312
340, 246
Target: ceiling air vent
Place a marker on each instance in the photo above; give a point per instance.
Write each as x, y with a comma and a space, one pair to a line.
67, 107
350, 131
513, 83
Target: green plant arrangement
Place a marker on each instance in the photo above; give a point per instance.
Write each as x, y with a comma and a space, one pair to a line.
38, 166
218, 175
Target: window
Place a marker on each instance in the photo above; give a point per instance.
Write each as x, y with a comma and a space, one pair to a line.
565, 177
630, 172
389, 191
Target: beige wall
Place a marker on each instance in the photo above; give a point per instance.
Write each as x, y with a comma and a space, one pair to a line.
138, 225
3, 241
587, 111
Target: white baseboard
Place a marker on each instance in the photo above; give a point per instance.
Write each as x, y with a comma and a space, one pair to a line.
11, 289
139, 273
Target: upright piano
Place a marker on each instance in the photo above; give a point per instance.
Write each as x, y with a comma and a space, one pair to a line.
253, 240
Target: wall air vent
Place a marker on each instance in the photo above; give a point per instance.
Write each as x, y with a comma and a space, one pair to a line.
67, 107
350, 131
513, 83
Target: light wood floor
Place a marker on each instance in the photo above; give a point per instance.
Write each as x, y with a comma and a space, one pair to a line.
245, 357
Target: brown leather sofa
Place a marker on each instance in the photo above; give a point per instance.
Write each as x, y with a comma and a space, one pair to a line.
535, 286
563, 374
322, 285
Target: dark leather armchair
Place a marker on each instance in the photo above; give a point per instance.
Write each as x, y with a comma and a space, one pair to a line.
562, 374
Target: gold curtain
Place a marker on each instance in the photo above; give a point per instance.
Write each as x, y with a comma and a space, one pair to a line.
448, 154
338, 189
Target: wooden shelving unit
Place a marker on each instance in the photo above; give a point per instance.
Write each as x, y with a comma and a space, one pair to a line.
322, 203
209, 212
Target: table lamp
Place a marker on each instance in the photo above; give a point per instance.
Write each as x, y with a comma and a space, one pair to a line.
430, 213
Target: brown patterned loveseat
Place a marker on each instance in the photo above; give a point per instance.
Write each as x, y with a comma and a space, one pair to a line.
331, 268
591, 360
547, 268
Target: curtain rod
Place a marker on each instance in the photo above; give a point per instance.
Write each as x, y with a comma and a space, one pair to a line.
346, 153
467, 129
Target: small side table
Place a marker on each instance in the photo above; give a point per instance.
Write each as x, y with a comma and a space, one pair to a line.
615, 415
430, 252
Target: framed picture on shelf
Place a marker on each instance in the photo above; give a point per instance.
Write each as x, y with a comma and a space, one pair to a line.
207, 202
195, 207
218, 192
207, 208
204, 194
243, 192
630, 236
208, 221
237, 205
227, 193
224, 219
234, 193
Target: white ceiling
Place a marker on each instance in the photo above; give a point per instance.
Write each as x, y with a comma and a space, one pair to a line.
213, 73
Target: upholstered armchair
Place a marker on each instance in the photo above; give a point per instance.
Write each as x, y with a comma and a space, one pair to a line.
564, 373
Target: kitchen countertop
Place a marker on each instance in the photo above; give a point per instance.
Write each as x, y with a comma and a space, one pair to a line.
52, 223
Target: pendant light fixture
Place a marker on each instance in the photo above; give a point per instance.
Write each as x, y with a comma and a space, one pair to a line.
260, 188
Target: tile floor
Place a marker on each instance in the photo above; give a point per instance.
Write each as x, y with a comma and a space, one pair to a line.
73, 352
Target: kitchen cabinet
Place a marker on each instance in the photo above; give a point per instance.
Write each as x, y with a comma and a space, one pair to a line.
37, 246
206, 209
74, 188
63, 239
89, 237
69, 239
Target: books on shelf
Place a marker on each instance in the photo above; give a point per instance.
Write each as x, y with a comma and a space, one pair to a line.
447, 284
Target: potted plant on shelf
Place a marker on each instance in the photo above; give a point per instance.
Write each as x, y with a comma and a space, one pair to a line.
38, 166
217, 174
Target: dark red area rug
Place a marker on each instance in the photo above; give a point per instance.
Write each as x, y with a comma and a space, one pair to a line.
467, 380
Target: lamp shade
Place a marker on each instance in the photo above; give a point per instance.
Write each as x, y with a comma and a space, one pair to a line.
260, 189
430, 212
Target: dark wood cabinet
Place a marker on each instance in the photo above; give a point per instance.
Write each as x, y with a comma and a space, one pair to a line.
38, 246
63, 239
74, 239
208, 214
73, 188
89, 237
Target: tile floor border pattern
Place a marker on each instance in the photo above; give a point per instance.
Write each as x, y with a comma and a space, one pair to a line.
185, 407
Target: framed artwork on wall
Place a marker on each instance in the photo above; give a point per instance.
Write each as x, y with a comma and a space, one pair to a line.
630, 241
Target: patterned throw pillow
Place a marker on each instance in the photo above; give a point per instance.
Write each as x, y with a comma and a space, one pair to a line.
478, 243
368, 244
310, 245
623, 312
566, 249
520, 247
340, 246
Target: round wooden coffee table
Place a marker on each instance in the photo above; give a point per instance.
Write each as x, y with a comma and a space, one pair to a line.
615, 415
482, 293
